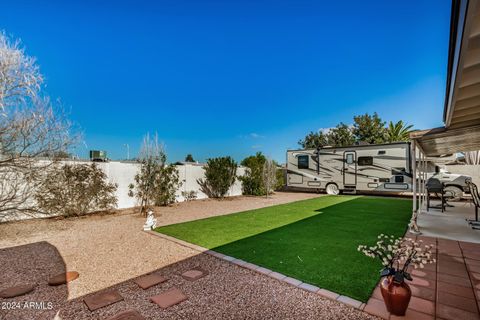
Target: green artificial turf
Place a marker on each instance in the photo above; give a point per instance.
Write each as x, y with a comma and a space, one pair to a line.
312, 240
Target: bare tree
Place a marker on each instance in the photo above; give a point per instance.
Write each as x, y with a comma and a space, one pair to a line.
20, 77
30, 127
269, 176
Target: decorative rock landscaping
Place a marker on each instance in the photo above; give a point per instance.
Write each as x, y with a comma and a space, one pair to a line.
127, 315
229, 291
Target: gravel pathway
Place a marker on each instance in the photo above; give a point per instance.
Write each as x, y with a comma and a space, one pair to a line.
109, 251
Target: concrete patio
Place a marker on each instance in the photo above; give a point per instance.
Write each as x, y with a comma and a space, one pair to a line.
450, 224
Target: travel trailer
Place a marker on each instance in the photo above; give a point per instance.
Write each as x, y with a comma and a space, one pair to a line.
362, 168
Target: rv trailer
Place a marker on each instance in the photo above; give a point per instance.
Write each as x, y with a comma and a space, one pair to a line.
364, 168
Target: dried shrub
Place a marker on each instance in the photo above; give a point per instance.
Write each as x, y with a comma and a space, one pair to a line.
76, 189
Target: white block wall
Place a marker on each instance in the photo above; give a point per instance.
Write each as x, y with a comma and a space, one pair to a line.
123, 173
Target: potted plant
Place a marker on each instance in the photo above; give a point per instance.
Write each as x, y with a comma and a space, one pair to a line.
397, 255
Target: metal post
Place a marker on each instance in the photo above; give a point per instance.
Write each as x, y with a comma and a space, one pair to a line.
413, 221
421, 182
424, 181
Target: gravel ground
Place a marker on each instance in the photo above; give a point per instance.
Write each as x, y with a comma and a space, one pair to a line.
109, 251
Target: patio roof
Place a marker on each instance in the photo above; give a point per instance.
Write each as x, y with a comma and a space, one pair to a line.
442, 141
462, 98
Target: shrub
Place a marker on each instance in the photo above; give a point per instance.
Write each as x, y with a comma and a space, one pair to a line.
252, 179
76, 189
220, 174
189, 195
166, 184
157, 182
280, 184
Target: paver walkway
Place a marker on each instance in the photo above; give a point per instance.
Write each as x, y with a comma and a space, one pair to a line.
447, 289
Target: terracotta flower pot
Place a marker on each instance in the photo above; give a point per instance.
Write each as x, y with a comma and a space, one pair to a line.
396, 295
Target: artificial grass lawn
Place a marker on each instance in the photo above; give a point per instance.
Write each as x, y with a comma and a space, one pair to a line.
312, 240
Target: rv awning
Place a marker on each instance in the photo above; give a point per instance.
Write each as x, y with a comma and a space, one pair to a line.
441, 141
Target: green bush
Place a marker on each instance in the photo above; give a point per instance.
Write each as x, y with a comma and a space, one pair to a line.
166, 184
156, 182
220, 174
280, 183
252, 183
76, 189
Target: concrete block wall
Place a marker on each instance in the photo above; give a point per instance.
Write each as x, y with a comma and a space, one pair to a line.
123, 174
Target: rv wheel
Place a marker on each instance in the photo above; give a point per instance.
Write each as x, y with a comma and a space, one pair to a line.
453, 193
332, 188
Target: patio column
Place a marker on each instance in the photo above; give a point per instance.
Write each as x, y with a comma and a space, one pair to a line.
425, 170
422, 181
413, 221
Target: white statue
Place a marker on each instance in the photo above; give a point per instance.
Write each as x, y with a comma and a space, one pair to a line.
151, 222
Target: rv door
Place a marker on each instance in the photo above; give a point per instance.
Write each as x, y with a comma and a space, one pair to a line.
350, 168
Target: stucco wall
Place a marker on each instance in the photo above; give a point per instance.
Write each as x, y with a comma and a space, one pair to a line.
123, 173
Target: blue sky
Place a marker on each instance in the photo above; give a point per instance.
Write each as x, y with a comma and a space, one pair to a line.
217, 78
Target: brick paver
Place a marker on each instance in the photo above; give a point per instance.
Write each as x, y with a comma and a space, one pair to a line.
448, 289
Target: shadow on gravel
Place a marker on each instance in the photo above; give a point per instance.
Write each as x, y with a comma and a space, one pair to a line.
32, 264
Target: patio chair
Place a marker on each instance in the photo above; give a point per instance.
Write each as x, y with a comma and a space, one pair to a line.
436, 186
474, 223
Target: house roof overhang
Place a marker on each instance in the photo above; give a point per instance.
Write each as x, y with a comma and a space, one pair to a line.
462, 96
461, 114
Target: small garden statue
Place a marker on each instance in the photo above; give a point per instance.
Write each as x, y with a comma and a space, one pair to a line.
151, 222
396, 256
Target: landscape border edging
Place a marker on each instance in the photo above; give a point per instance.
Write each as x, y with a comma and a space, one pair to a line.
354, 303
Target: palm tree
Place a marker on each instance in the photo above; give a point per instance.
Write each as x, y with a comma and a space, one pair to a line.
398, 131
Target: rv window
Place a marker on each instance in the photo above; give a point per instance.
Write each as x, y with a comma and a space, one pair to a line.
302, 162
382, 152
350, 158
365, 161
396, 171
